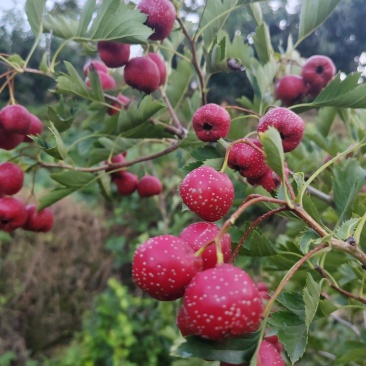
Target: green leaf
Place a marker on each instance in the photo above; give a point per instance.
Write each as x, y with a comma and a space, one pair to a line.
115, 21
214, 17
179, 81
352, 353
86, 17
255, 11
262, 43
234, 350
137, 114
293, 302
54, 196
60, 123
261, 77
347, 229
311, 296
73, 84
347, 93
61, 26
349, 177
96, 84
313, 14
292, 333
204, 153
258, 245
272, 146
73, 179
59, 142
306, 239
34, 10
325, 119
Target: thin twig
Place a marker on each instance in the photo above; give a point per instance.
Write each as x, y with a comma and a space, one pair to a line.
195, 62
335, 287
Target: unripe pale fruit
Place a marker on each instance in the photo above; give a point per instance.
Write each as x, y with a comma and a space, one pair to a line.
114, 54
222, 302
11, 178
161, 15
98, 66
290, 89
36, 128
9, 141
38, 221
161, 66
289, 125
124, 102
106, 80
149, 186
15, 119
247, 160
125, 182
200, 233
211, 122
317, 72
164, 265
207, 192
142, 73
12, 213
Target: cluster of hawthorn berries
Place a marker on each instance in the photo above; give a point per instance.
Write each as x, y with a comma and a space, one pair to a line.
161, 15
127, 182
316, 73
212, 122
16, 125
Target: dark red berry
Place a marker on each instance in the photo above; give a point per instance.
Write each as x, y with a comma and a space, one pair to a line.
200, 233
207, 192
289, 125
164, 265
211, 122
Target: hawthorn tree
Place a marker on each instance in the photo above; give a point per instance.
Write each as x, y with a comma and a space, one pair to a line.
291, 156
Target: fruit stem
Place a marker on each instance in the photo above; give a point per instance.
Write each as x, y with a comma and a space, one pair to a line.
244, 110
252, 226
195, 61
335, 287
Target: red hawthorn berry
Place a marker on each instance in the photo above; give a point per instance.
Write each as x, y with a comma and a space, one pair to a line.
36, 128
8, 140
269, 355
12, 213
317, 72
114, 54
200, 233
275, 341
149, 186
211, 122
164, 265
222, 302
160, 17
11, 178
38, 221
125, 182
106, 80
161, 66
247, 160
207, 192
270, 181
183, 323
290, 89
15, 119
124, 103
143, 74
98, 65
289, 125
116, 159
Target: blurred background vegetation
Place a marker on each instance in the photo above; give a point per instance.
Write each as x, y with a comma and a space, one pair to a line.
66, 297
